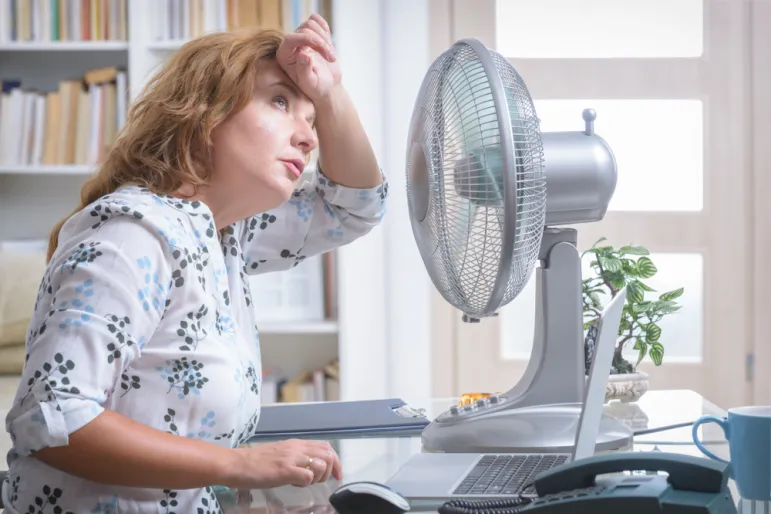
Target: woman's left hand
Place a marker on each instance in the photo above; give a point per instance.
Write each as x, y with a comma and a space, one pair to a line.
308, 57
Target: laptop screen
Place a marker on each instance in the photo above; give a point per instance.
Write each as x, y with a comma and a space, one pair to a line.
594, 393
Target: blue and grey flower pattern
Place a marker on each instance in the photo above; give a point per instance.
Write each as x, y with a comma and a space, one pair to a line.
145, 309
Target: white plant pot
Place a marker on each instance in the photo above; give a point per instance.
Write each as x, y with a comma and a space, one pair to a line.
627, 387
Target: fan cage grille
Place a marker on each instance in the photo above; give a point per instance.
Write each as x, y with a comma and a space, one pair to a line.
461, 237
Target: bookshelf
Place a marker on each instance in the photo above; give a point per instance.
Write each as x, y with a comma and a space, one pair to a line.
42, 169
374, 311
64, 46
166, 46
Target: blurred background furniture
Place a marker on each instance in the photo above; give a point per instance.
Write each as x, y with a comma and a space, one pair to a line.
70, 81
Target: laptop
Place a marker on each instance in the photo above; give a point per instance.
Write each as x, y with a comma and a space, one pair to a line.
431, 479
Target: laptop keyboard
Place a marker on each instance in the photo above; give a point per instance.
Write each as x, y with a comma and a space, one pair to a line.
507, 474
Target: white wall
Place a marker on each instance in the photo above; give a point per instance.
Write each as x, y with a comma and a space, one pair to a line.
385, 328
406, 60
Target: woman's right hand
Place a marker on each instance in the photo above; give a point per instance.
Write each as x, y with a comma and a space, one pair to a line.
292, 462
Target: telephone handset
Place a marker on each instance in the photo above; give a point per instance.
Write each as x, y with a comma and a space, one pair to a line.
693, 485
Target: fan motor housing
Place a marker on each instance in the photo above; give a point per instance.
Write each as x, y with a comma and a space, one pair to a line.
581, 177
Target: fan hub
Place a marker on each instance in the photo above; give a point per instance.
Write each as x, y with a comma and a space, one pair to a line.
479, 177
418, 180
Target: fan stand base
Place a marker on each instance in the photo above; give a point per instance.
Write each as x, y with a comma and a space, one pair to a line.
540, 413
542, 429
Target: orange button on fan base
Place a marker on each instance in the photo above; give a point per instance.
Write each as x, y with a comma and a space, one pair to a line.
469, 398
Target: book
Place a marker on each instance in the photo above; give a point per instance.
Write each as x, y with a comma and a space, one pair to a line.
391, 416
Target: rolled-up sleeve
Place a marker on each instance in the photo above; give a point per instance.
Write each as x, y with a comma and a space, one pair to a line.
321, 215
99, 302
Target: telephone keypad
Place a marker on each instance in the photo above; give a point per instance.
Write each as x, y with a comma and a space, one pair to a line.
575, 493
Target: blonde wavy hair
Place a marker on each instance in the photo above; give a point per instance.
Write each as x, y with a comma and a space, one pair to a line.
166, 141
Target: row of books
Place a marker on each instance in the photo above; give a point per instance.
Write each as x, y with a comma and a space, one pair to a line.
63, 20
186, 19
314, 385
74, 125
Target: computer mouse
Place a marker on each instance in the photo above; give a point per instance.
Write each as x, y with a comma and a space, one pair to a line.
368, 498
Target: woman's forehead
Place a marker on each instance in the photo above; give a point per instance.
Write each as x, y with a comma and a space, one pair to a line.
268, 71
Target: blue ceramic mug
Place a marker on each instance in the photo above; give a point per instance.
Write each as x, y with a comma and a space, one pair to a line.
748, 431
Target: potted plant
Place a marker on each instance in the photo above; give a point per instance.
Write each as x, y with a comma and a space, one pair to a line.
613, 269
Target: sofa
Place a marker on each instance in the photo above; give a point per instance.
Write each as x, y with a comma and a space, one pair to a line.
21, 270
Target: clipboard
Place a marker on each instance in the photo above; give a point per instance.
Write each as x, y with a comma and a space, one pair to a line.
373, 418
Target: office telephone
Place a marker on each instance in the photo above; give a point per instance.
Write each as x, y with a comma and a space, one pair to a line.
692, 485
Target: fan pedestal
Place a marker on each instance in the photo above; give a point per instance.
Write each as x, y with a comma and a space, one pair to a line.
541, 412
542, 429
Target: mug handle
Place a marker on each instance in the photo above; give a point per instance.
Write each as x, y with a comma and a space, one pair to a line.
695, 434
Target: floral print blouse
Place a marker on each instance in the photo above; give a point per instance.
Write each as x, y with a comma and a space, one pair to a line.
145, 310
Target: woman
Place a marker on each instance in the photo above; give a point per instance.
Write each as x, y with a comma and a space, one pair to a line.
143, 359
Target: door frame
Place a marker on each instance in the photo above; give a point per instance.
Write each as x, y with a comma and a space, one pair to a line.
759, 348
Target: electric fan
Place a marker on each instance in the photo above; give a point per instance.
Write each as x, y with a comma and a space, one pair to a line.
487, 192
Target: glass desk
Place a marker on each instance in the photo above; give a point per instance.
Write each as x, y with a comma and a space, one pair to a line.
376, 458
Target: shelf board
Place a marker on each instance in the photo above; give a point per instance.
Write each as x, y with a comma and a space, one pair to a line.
167, 45
299, 327
46, 170
64, 46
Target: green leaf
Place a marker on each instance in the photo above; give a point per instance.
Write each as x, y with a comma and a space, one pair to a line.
657, 353
640, 307
610, 263
634, 292
645, 267
652, 333
654, 307
617, 281
633, 250
642, 350
629, 267
645, 287
672, 295
668, 307
600, 240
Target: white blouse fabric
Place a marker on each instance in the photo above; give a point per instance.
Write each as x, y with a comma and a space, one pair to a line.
143, 310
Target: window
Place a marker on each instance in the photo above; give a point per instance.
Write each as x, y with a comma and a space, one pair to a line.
599, 28
658, 145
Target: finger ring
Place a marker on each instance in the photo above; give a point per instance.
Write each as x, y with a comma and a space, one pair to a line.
310, 463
